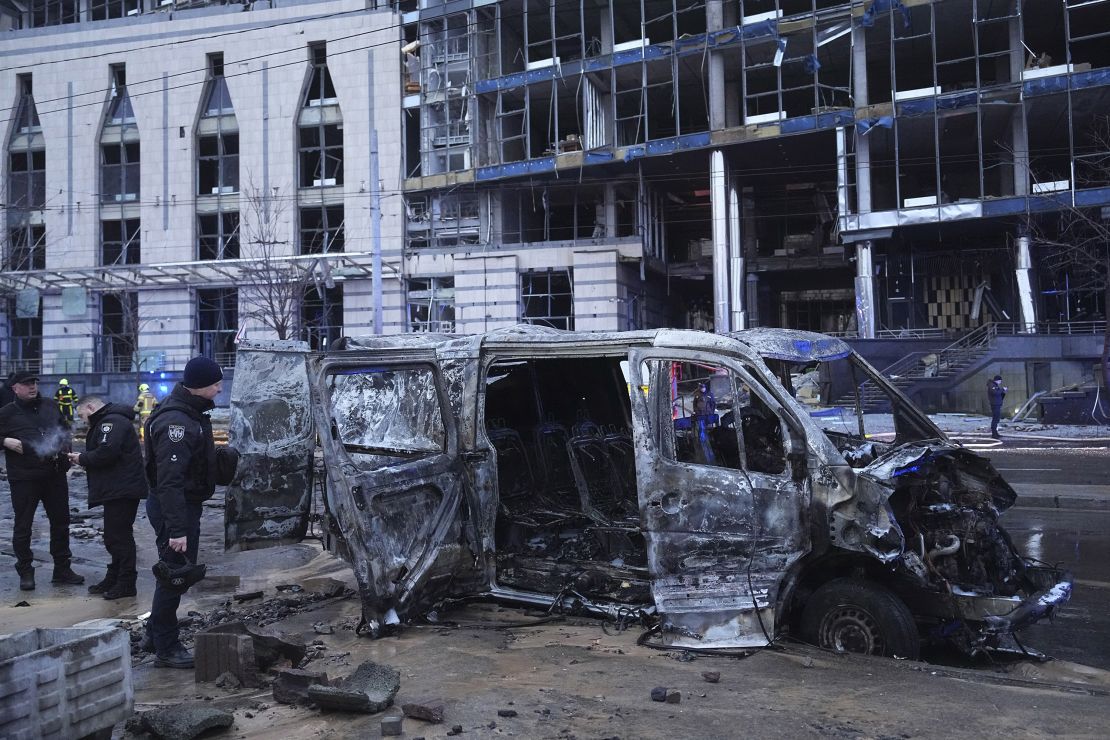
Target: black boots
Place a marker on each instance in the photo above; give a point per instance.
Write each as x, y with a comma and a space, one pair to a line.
26, 577
176, 657
106, 584
64, 574
123, 587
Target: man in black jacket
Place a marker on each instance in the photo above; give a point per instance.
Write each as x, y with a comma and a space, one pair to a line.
117, 480
182, 463
35, 441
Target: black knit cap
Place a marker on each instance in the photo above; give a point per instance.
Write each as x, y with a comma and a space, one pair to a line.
23, 376
201, 372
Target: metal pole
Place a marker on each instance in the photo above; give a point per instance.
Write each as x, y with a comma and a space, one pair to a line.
1024, 270
376, 230
718, 197
738, 317
865, 291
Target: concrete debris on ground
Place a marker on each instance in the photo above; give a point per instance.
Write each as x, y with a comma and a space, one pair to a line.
370, 689
711, 676
426, 710
391, 726
184, 721
291, 685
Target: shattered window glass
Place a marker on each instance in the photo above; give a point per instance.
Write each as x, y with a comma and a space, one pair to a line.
270, 401
388, 409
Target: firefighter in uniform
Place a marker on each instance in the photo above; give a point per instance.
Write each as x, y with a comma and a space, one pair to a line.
66, 398
144, 405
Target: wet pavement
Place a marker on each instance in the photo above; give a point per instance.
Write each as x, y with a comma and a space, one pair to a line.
594, 684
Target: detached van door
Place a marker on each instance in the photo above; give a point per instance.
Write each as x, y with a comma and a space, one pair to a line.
271, 426
721, 507
396, 486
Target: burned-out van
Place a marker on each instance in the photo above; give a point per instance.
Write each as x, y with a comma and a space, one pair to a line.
707, 480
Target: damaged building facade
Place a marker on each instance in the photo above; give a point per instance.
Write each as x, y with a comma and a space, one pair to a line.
864, 168
167, 163
861, 167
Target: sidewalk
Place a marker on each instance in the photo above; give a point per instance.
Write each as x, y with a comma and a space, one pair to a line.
975, 428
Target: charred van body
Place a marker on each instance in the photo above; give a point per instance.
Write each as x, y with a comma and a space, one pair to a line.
709, 480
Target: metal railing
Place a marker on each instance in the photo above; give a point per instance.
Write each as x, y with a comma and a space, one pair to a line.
954, 356
1053, 328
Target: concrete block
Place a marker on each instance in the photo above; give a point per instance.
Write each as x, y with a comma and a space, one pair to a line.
64, 682
291, 684
216, 653
391, 726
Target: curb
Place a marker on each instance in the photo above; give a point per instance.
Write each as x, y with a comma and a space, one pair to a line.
1062, 502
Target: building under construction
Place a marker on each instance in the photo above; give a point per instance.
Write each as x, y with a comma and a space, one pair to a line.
875, 168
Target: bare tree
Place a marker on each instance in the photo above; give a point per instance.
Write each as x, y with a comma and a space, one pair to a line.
272, 284
1075, 240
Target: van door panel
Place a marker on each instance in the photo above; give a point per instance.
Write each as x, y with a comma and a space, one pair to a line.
395, 485
272, 428
719, 538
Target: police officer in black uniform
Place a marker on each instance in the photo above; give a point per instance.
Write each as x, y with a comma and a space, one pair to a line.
183, 466
36, 440
117, 481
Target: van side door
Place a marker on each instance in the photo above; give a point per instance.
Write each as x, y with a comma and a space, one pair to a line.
396, 486
271, 426
722, 510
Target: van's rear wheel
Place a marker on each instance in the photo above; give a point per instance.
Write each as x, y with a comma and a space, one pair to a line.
853, 616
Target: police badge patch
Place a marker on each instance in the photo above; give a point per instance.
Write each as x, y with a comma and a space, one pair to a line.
106, 427
176, 432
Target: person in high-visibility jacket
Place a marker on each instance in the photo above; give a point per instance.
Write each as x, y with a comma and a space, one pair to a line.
144, 406
66, 398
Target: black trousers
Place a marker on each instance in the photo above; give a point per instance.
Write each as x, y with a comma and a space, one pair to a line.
53, 492
996, 416
119, 536
162, 624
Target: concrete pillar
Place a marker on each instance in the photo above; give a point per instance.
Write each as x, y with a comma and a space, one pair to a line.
610, 211
714, 16
863, 144
1019, 137
737, 315
1024, 270
865, 290
718, 199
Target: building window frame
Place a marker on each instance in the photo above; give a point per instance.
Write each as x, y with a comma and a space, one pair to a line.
119, 172
547, 298
322, 229
218, 163
218, 235
431, 304
120, 241
217, 322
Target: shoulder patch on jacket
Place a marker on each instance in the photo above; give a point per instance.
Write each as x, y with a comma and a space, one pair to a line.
176, 432
106, 427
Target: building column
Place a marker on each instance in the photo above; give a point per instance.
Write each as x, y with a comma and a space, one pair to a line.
714, 17
753, 298
865, 290
1024, 270
718, 199
1019, 138
738, 319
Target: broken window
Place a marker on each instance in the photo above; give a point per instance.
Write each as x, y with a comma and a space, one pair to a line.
322, 316
217, 323
321, 158
718, 419
446, 94
27, 179
321, 229
24, 348
26, 154
547, 299
27, 248
218, 164
119, 104
218, 236
390, 411
431, 303
54, 12
119, 332
119, 172
218, 100
320, 91
119, 242
103, 9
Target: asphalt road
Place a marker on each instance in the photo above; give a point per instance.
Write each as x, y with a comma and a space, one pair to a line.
1076, 537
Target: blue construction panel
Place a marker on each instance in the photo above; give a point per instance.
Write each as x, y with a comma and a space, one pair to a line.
835, 119
690, 43
1045, 85
1053, 202
598, 157
1090, 78
1003, 206
1092, 197
801, 123
635, 152
918, 107
959, 100
761, 29
677, 143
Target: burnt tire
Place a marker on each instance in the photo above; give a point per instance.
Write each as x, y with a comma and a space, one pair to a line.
855, 616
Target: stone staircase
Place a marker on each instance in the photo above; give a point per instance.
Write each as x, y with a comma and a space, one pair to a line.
937, 368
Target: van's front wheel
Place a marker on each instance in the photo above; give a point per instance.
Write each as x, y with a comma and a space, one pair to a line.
853, 616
